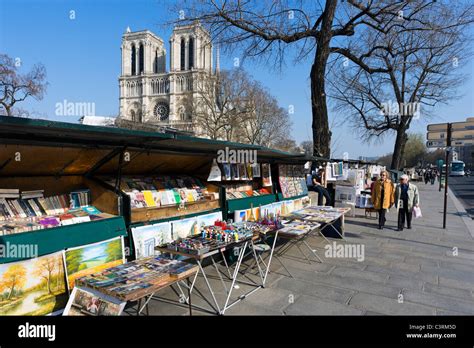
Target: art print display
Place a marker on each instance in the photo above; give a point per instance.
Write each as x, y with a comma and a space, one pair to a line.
91, 258
234, 170
277, 208
184, 228
227, 171
215, 173
33, 287
87, 302
266, 174
256, 170
292, 179
240, 215
146, 238
209, 219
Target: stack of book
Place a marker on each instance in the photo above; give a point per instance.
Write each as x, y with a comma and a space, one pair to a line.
14, 204
25, 211
244, 191
73, 216
164, 191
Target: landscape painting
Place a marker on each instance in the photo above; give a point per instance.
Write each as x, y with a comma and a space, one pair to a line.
185, 228
92, 258
145, 238
33, 287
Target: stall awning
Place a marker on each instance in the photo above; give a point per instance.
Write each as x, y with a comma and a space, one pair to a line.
75, 149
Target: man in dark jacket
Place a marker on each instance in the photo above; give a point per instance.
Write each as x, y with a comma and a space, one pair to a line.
406, 197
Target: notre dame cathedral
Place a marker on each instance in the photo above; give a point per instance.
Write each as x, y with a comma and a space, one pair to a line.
152, 95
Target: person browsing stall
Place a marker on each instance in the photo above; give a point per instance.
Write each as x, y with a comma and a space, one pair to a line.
383, 196
320, 189
406, 197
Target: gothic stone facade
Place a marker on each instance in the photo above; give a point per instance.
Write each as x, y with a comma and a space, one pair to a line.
148, 92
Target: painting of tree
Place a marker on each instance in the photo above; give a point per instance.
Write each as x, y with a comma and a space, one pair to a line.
14, 279
114, 250
45, 268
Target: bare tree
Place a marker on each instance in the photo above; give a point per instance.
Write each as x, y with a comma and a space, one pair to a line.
220, 104
265, 28
307, 147
420, 57
232, 106
15, 87
267, 123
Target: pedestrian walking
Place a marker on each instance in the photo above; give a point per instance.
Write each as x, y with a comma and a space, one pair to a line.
427, 177
383, 196
406, 197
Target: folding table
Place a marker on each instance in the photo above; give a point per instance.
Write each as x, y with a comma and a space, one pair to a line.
148, 293
232, 276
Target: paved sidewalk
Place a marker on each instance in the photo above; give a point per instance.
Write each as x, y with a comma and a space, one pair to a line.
423, 271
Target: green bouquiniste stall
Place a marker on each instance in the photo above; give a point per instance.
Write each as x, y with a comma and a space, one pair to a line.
61, 157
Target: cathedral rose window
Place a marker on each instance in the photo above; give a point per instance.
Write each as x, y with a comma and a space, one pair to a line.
162, 111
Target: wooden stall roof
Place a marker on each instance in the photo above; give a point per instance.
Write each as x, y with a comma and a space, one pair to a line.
75, 149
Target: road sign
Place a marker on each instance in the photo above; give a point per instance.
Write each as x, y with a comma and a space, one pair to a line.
462, 142
456, 135
462, 133
436, 143
441, 127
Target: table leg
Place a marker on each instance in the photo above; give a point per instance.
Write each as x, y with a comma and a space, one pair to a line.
209, 286
312, 251
234, 277
270, 258
219, 273
260, 271
189, 298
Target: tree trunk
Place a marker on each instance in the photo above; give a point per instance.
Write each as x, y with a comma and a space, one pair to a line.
11, 292
321, 133
399, 148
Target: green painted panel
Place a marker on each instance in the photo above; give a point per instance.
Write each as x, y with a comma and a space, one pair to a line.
248, 202
280, 197
55, 239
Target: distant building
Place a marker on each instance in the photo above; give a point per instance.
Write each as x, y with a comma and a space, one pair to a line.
151, 94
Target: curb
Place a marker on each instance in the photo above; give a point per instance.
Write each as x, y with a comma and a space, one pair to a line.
464, 215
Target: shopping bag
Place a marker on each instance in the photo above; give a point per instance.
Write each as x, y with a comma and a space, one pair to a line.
417, 212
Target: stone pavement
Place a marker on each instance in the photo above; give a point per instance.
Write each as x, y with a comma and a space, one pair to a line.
423, 271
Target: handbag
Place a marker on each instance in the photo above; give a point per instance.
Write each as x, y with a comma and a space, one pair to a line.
417, 212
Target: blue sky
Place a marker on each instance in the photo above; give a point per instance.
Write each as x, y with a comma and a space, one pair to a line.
82, 58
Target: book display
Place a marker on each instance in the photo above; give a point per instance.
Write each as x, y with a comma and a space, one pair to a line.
159, 197
244, 190
127, 282
292, 180
34, 212
240, 171
298, 228
256, 191
150, 192
323, 214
